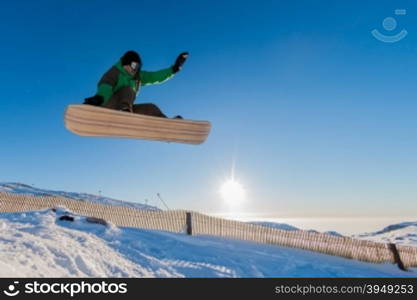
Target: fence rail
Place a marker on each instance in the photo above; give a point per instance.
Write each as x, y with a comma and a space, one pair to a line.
198, 224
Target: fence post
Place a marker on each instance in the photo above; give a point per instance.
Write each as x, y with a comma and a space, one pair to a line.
188, 221
397, 258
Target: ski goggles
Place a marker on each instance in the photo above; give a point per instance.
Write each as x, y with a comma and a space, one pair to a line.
135, 66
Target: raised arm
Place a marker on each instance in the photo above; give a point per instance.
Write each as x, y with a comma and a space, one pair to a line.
156, 77
164, 74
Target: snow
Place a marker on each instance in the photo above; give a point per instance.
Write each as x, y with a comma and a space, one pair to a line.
404, 233
39, 244
282, 226
19, 188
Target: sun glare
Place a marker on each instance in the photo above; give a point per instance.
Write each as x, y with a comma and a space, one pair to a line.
232, 192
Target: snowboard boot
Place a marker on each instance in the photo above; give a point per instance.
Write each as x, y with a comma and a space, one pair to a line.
95, 100
125, 109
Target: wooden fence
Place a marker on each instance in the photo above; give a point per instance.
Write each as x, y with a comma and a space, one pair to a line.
199, 224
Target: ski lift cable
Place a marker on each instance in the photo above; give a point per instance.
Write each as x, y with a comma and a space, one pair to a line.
159, 196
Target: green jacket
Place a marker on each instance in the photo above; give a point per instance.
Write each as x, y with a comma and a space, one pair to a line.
117, 77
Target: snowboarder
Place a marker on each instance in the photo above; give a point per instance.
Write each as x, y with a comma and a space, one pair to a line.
119, 86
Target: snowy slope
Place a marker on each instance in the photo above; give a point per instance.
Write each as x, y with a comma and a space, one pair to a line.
19, 188
38, 244
403, 233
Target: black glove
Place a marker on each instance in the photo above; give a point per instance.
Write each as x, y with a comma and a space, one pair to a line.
179, 62
96, 100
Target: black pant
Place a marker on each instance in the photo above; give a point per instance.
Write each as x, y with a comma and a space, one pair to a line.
149, 109
124, 98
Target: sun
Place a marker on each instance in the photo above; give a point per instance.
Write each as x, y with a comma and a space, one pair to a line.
232, 192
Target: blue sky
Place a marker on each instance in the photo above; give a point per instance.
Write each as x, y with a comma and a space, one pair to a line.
317, 116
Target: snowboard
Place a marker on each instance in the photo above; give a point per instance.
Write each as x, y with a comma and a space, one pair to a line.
94, 121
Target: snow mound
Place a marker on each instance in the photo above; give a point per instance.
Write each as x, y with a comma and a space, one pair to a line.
19, 188
281, 226
34, 245
404, 233
284, 226
334, 233
398, 226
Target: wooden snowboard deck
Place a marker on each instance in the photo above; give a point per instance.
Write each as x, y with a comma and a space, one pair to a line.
93, 121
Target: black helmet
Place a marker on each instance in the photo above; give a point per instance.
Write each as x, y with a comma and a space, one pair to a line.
131, 56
